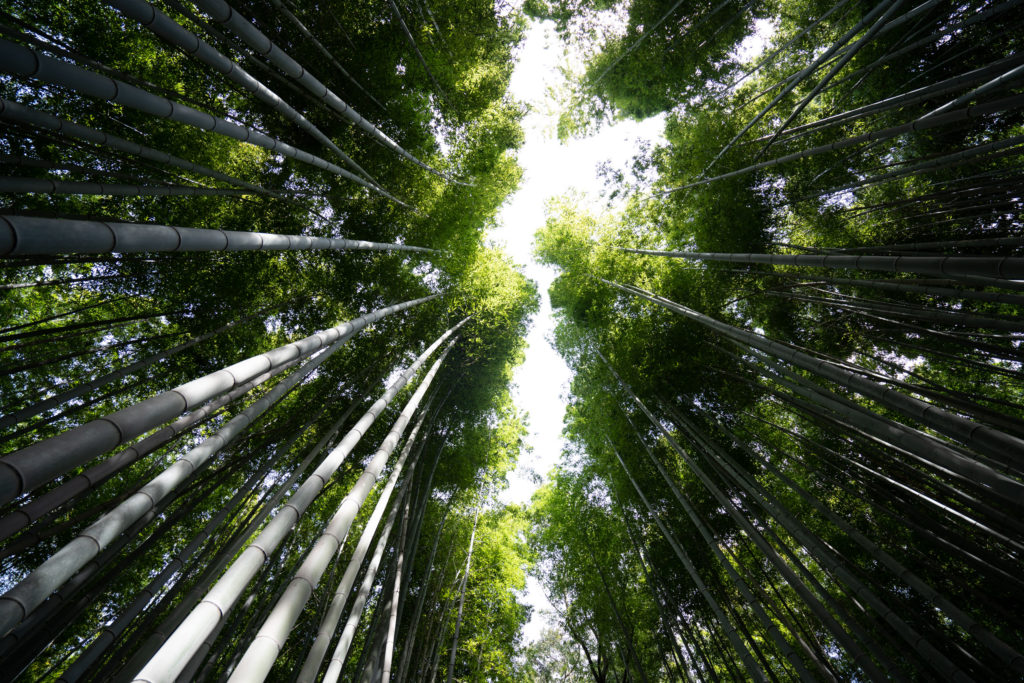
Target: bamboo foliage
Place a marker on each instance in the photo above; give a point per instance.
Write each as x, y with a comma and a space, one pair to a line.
130, 509
790, 450
23, 61
169, 30
773, 471
223, 13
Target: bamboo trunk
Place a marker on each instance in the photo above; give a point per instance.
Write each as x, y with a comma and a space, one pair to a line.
222, 13
984, 439
19, 601
26, 62
348, 633
32, 466
176, 650
172, 32
14, 111
29, 236
462, 600
329, 622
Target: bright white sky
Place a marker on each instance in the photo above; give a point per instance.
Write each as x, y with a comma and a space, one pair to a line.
549, 169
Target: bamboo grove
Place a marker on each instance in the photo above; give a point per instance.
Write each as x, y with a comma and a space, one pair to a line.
256, 354
795, 432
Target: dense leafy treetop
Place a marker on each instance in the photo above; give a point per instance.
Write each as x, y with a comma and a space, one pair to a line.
442, 97
716, 467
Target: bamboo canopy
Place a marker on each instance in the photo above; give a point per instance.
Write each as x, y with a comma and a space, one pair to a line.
258, 348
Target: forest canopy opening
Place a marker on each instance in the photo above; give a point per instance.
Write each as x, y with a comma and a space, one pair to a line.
260, 341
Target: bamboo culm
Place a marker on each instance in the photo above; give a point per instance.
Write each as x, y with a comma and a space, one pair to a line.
20, 600
819, 61
957, 116
827, 558
770, 553
981, 437
901, 572
950, 267
179, 647
348, 633
34, 465
396, 594
222, 13
279, 6
784, 647
141, 654
263, 651
879, 23
111, 632
329, 623
31, 236
416, 50
462, 601
175, 34
24, 61
17, 416
738, 647
410, 640
14, 111
53, 499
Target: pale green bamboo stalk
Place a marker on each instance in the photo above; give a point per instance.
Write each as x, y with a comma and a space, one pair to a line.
19, 601
396, 594
176, 651
152, 643
110, 632
222, 13
410, 640
31, 236
348, 633
36, 508
19, 60
263, 651
329, 623
32, 466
